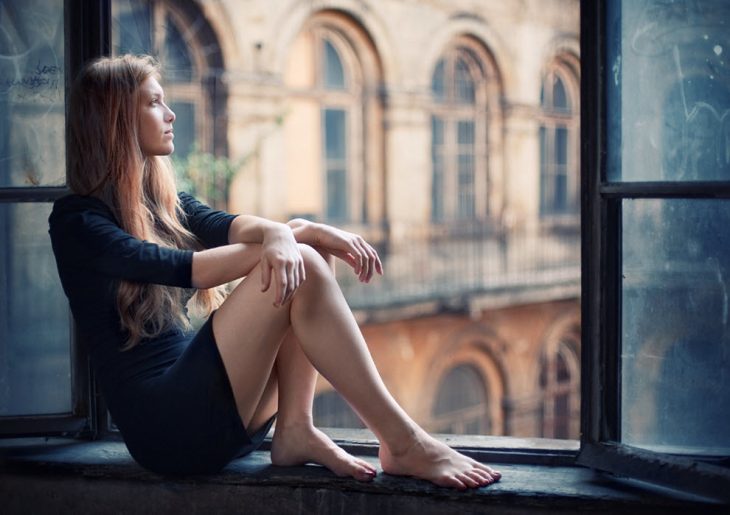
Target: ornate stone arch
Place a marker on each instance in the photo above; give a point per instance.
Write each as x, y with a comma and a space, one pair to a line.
477, 348
297, 14
356, 167
482, 34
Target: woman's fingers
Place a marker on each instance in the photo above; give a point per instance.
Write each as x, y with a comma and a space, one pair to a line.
286, 275
265, 275
367, 273
369, 259
353, 249
281, 285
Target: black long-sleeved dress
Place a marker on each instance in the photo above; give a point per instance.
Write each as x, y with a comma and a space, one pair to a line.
169, 396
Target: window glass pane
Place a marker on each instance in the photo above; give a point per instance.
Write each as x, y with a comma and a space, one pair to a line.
561, 146
543, 100
331, 410
178, 65
32, 130
669, 91
336, 194
334, 130
461, 403
465, 207
35, 367
465, 170
437, 81
465, 133
464, 90
560, 97
132, 32
437, 163
546, 186
675, 361
334, 74
335, 127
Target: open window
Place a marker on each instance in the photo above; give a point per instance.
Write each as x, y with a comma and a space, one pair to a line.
656, 187
44, 378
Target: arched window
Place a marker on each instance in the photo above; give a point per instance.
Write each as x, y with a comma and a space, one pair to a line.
463, 89
178, 34
333, 76
461, 405
331, 410
559, 383
558, 145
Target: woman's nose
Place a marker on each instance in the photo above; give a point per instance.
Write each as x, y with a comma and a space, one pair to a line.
170, 115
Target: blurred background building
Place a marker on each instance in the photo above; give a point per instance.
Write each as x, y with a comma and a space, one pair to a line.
447, 134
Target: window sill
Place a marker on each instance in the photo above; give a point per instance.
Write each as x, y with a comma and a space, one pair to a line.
100, 476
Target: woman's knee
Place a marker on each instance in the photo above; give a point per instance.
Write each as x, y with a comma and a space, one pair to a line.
315, 262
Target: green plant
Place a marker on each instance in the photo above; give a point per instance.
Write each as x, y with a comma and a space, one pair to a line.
206, 176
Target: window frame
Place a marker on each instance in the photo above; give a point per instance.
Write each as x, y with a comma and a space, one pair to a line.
601, 446
89, 38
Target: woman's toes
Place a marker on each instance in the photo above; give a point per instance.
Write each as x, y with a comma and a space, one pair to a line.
480, 477
451, 482
367, 466
469, 481
364, 474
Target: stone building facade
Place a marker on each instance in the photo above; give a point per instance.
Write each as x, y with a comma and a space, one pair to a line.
444, 131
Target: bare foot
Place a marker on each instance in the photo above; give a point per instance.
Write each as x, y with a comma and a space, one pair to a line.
304, 443
427, 458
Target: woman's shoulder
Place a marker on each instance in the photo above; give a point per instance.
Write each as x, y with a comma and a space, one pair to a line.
74, 206
74, 201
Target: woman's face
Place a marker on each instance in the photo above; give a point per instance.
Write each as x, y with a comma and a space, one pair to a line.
155, 120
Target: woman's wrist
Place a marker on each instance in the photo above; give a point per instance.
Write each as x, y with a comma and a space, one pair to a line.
274, 229
305, 231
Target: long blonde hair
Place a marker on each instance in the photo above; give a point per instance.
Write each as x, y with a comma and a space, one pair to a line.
105, 160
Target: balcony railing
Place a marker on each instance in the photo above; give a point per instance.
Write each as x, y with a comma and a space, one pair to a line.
451, 265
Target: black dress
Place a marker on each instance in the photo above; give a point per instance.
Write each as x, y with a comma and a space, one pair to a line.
169, 396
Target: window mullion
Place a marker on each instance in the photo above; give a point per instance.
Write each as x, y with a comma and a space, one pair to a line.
695, 189
610, 342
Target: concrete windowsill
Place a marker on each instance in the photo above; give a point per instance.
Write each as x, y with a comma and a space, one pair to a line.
101, 477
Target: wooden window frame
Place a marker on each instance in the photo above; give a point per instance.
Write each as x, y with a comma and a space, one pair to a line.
86, 28
601, 446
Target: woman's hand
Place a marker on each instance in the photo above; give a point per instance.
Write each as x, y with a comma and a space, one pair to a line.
349, 247
281, 263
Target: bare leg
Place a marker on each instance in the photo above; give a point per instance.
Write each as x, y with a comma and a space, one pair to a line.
290, 392
296, 440
248, 330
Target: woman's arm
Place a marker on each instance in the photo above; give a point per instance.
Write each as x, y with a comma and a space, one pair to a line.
251, 229
219, 265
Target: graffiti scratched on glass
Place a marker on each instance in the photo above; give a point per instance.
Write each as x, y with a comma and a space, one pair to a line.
32, 137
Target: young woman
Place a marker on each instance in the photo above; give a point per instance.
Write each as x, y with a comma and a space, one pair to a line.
130, 252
